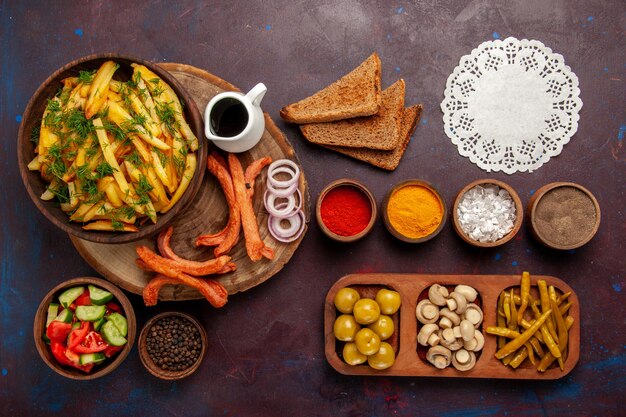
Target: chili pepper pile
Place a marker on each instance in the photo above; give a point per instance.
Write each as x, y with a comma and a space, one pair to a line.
529, 336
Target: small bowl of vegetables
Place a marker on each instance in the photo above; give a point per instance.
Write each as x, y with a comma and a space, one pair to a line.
84, 328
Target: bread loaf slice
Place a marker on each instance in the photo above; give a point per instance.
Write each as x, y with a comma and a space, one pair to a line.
380, 131
388, 160
358, 93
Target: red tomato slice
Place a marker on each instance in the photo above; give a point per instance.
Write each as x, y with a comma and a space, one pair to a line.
83, 299
92, 343
78, 335
113, 308
112, 350
57, 331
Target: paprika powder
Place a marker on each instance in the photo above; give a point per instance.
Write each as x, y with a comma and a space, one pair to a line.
346, 210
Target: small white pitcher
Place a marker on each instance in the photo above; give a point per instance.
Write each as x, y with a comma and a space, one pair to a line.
236, 109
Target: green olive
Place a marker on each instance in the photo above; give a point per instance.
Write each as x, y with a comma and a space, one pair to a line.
345, 328
388, 300
352, 356
383, 327
367, 342
366, 311
384, 358
345, 299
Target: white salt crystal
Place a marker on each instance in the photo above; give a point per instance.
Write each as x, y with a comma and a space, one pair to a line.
486, 213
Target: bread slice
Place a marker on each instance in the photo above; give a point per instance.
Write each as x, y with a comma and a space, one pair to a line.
388, 160
355, 94
380, 131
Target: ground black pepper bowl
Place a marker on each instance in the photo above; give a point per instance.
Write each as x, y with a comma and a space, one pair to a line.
40, 326
152, 367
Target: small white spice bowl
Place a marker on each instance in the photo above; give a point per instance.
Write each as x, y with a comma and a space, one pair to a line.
519, 212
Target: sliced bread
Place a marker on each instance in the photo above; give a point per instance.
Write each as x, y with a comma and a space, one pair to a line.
388, 160
358, 93
380, 131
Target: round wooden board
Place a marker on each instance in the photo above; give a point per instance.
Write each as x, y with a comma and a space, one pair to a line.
207, 213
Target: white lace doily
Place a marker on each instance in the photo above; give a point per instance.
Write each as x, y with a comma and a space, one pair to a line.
511, 105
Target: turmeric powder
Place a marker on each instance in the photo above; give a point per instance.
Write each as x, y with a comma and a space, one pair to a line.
414, 211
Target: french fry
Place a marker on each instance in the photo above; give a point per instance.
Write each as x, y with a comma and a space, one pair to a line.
99, 88
123, 119
158, 188
109, 156
158, 167
107, 225
71, 187
190, 168
149, 104
35, 164
113, 197
80, 212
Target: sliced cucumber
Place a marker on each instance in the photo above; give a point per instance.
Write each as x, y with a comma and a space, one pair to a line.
68, 296
112, 335
99, 296
98, 325
120, 322
53, 311
90, 313
87, 358
65, 316
76, 325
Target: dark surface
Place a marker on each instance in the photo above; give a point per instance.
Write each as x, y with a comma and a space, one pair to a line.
266, 346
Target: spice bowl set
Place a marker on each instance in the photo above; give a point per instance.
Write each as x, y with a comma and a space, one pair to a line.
414, 359
485, 213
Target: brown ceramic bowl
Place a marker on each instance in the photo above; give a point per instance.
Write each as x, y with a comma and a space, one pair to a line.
537, 232
519, 210
35, 185
40, 326
399, 235
153, 368
347, 183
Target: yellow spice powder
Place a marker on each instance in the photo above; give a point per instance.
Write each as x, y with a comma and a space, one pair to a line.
414, 211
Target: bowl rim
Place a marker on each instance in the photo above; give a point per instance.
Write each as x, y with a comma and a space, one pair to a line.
146, 230
151, 366
39, 325
434, 190
519, 210
534, 202
350, 183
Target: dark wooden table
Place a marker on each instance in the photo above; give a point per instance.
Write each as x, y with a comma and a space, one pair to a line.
266, 347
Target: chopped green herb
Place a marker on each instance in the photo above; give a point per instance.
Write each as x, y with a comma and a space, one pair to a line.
104, 169
86, 77
34, 134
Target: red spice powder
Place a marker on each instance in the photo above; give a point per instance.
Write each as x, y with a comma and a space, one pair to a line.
345, 210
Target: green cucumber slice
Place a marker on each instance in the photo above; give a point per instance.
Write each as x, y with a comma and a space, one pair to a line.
90, 313
53, 312
87, 358
65, 316
112, 335
68, 296
120, 322
98, 325
99, 296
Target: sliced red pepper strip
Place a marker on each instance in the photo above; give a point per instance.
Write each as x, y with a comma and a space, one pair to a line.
57, 331
92, 343
78, 335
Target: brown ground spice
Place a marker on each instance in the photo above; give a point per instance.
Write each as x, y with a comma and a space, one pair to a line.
565, 216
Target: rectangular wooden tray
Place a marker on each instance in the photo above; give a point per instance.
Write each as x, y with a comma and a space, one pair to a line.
408, 363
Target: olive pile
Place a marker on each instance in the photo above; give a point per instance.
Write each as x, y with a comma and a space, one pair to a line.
366, 343
174, 343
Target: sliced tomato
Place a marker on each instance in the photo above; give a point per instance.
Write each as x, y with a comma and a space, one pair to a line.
92, 343
57, 331
113, 308
83, 299
78, 335
72, 306
74, 360
58, 351
112, 350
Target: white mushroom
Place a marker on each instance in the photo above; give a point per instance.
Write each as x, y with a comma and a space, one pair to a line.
474, 314
452, 344
445, 323
451, 303
439, 356
447, 336
467, 330
466, 291
426, 312
454, 318
480, 341
471, 345
427, 335
437, 294
463, 360
461, 302
457, 331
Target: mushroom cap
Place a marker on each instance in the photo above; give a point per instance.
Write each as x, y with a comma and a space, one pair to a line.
473, 313
480, 340
439, 356
454, 318
426, 312
467, 330
461, 302
425, 332
437, 294
466, 291
463, 360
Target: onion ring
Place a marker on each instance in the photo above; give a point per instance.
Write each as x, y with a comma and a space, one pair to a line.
269, 199
280, 234
283, 165
282, 192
